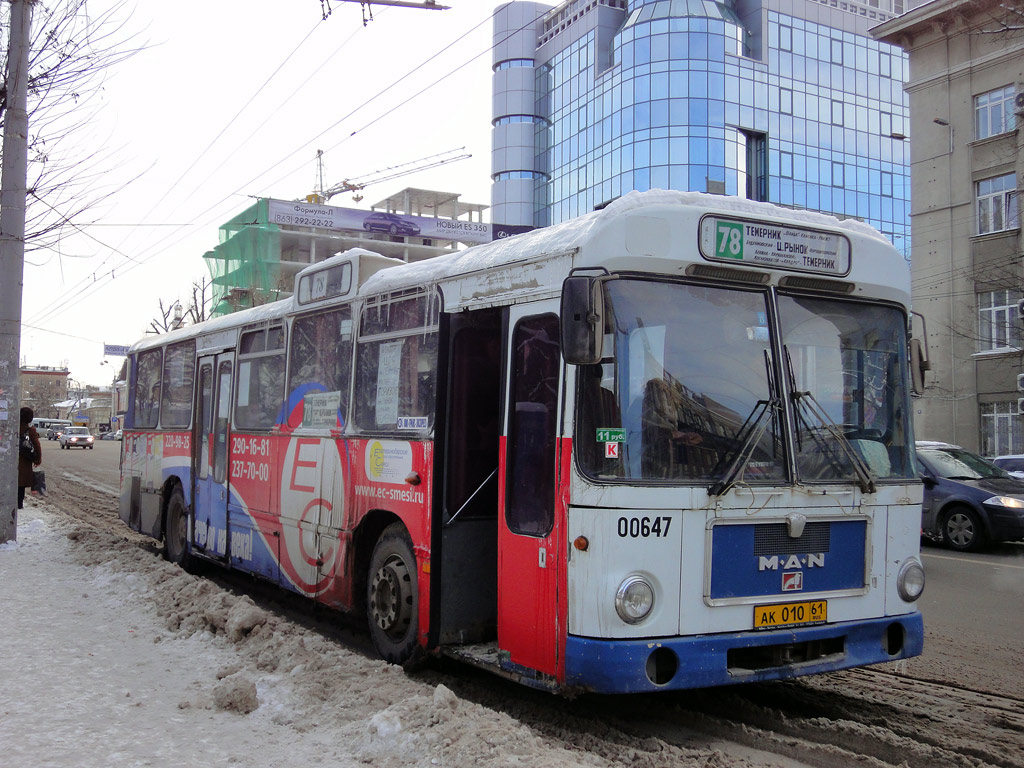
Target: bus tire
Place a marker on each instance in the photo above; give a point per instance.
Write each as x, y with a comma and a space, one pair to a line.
176, 530
962, 529
392, 599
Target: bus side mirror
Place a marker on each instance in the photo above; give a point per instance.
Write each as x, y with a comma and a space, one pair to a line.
582, 326
918, 365
918, 354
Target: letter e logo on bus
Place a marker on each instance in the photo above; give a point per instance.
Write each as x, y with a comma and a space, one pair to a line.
793, 582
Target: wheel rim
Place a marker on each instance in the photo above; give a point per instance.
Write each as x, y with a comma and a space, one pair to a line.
960, 529
391, 604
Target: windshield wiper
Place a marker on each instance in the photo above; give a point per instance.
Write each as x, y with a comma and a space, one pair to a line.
805, 403
749, 436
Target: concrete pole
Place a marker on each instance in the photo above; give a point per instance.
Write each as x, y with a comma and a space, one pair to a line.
13, 191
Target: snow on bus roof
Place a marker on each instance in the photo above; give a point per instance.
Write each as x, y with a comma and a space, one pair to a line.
573, 233
223, 322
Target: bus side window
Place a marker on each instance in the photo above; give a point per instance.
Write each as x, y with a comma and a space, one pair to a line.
178, 378
258, 395
147, 388
320, 370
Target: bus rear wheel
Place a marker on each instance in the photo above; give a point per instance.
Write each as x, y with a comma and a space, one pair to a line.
392, 601
176, 530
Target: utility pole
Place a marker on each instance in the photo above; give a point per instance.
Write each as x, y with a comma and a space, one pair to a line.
13, 191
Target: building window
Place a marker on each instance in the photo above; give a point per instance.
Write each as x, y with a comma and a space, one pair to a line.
1001, 431
837, 112
998, 326
838, 175
786, 101
785, 38
786, 165
997, 204
512, 64
837, 51
757, 165
993, 112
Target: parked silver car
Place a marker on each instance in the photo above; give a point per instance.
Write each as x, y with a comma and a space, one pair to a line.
1012, 464
76, 437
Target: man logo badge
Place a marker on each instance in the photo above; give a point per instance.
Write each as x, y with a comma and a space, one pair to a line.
793, 581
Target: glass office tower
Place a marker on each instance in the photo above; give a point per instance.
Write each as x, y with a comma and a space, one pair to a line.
788, 101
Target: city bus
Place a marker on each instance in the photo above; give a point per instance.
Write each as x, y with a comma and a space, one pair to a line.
665, 445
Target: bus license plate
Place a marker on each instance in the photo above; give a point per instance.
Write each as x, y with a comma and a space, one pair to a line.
790, 614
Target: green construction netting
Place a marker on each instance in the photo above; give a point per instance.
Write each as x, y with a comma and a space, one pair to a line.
246, 266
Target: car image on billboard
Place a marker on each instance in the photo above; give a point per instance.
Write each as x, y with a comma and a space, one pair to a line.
389, 222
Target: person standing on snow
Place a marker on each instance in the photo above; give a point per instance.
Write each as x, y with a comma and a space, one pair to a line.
27, 463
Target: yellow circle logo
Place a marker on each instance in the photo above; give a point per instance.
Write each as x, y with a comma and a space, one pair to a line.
375, 459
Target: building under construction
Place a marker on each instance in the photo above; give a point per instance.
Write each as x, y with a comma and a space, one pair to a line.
265, 246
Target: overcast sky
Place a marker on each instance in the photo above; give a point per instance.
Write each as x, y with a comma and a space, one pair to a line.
230, 100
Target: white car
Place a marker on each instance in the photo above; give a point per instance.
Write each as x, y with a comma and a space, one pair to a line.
76, 437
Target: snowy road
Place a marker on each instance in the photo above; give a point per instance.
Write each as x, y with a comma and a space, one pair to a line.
115, 658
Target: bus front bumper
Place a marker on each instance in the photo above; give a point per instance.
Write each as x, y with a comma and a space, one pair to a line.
634, 666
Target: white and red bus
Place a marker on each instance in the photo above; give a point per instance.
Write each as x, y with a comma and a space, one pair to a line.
665, 445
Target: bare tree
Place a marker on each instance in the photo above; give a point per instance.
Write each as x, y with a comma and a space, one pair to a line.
173, 316
170, 319
198, 308
71, 52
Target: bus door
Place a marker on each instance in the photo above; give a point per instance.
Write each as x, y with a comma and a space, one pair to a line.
529, 530
468, 547
210, 455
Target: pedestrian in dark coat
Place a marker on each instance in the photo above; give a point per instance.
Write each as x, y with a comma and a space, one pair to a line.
26, 467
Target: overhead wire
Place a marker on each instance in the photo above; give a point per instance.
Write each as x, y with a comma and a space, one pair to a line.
87, 286
62, 298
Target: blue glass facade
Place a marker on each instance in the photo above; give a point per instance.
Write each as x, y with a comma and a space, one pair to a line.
689, 98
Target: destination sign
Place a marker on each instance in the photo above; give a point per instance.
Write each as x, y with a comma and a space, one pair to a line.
779, 246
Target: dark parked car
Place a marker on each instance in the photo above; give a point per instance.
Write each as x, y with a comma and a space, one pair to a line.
968, 501
389, 222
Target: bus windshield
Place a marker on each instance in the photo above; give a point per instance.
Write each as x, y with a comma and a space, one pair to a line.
691, 390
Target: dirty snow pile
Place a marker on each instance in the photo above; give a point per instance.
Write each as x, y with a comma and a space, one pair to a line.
113, 657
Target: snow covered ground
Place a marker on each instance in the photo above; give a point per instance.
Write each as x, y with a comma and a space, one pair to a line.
113, 657
101, 669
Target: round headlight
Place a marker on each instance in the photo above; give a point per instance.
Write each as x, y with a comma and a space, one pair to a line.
634, 599
910, 582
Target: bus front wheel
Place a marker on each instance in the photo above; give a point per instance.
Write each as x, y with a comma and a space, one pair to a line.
392, 601
176, 530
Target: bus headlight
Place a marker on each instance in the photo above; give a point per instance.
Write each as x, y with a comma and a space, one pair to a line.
634, 599
910, 582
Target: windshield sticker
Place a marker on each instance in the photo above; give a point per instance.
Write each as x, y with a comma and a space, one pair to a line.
797, 249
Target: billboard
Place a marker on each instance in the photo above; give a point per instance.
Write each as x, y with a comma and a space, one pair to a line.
302, 214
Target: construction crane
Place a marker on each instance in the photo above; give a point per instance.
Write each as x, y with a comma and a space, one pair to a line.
384, 174
367, 6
